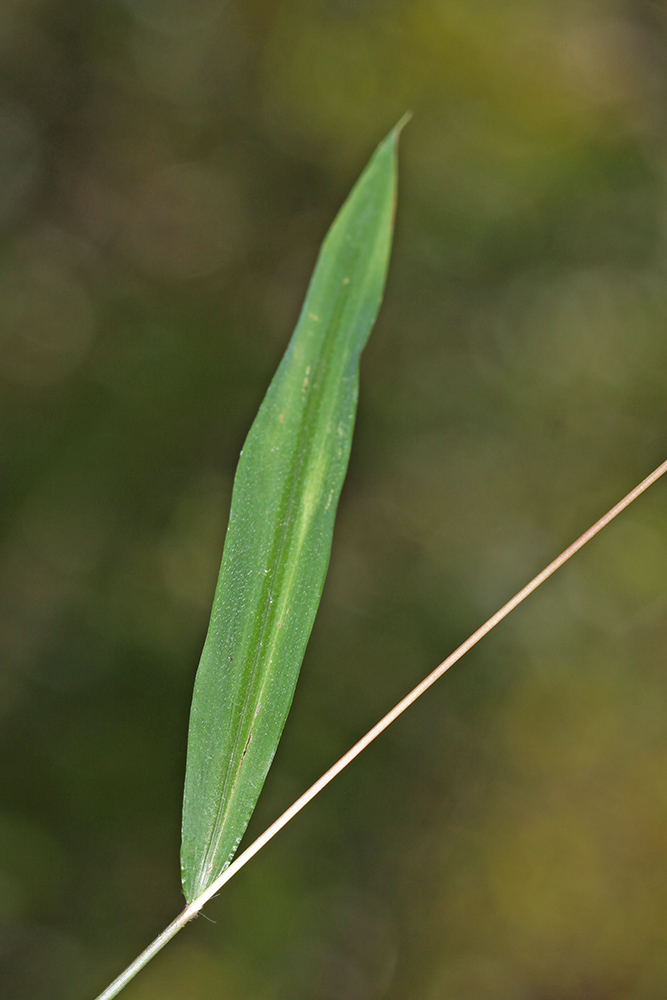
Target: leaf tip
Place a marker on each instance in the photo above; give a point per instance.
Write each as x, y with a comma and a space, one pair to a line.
398, 128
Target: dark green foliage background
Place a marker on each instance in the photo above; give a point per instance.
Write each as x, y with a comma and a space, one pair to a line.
167, 172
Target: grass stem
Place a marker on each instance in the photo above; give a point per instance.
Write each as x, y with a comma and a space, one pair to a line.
193, 909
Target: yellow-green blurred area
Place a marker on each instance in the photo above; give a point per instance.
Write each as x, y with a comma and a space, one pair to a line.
168, 169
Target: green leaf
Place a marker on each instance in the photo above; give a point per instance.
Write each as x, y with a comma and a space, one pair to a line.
276, 553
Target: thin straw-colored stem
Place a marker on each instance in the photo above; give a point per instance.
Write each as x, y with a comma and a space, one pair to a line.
195, 906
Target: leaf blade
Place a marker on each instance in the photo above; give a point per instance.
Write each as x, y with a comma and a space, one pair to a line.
276, 552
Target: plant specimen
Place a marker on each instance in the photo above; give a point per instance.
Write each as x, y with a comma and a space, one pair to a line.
276, 553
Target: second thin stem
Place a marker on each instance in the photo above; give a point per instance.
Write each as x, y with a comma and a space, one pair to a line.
193, 908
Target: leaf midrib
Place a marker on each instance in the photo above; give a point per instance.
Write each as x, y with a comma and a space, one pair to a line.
303, 453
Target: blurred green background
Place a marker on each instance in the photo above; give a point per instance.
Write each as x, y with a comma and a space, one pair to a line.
168, 169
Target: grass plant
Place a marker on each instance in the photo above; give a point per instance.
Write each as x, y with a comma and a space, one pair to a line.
276, 553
